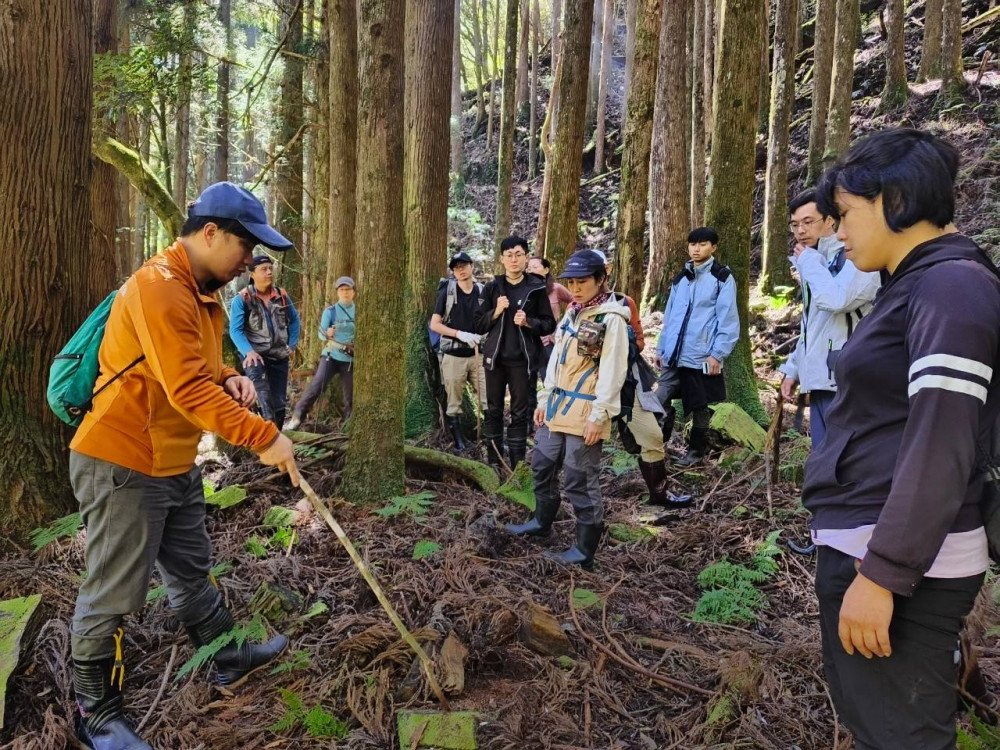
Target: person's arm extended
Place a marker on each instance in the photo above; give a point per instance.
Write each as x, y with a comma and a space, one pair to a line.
237, 319
846, 291
951, 339
167, 322
612, 371
294, 325
728, 332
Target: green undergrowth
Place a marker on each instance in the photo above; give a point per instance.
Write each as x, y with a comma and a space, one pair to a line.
520, 487
731, 595
316, 721
67, 526
415, 505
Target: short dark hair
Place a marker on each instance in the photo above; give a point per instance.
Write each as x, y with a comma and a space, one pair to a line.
509, 243
703, 234
802, 199
913, 171
546, 263
195, 224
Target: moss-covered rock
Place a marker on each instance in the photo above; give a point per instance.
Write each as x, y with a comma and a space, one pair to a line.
454, 730
735, 424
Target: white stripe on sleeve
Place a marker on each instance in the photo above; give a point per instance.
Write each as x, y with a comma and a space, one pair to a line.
948, 384
952, 362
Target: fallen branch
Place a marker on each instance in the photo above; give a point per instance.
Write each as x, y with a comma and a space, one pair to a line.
163, 686
482, 476
678, 686
377, 590
981, 19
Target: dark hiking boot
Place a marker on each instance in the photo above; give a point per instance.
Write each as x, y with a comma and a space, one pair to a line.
667, 424
655, 476
696, 447
101, 724
455, 427
582, 553
234, 663
540, 524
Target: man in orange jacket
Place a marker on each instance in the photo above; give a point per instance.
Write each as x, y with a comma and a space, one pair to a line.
132, 461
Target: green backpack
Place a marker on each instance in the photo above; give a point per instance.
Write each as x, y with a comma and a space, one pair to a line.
75, 369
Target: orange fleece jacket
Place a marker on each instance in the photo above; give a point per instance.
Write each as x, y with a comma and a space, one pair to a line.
151, 419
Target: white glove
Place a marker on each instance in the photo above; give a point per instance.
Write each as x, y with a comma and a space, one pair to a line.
472, 339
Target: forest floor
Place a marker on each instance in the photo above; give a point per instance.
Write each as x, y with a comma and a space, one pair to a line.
753, 683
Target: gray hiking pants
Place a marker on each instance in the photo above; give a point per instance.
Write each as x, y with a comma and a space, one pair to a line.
581, 465
134, 521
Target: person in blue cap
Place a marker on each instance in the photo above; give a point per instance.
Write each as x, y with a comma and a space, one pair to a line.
264, 325
336, 331
132, 461
580, 397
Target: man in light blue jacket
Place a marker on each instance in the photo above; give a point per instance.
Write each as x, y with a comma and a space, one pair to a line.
835, 297
700, 329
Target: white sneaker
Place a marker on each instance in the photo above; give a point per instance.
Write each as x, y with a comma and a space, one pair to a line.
293, 423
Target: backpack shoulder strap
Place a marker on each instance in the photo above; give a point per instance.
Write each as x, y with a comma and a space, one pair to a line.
721, 272
451, 295
682, 274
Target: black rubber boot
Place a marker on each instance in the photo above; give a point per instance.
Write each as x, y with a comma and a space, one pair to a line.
667, 424
655, 476
540, 524
101, 724
516, 454
582, 553
696, 447
234, 663
455, 426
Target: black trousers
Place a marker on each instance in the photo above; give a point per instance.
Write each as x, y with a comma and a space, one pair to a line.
271, 381
499, 380
907, 700
327, 368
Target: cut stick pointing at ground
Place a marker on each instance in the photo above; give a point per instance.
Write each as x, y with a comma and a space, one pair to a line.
379, 594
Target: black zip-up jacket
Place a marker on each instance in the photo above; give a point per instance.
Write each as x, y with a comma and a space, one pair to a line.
536, 307
916, 400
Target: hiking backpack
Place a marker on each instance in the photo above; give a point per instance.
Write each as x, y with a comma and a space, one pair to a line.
75, 369
451, 296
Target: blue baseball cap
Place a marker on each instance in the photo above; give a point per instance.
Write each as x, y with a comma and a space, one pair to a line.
583, 263
224, 200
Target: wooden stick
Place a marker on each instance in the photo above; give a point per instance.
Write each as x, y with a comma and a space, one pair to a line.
772, 455
159, 693
377, 590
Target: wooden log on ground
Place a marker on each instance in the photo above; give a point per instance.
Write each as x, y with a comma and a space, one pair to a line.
541, 632
19, 622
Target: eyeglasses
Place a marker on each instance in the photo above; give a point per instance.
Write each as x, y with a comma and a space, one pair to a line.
794, 226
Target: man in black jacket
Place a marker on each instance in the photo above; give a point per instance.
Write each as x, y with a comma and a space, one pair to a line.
513, 314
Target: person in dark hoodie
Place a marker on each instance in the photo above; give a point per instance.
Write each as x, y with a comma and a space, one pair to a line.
513, 314
894, 489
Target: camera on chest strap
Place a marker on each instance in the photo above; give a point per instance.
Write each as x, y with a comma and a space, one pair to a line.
590, 339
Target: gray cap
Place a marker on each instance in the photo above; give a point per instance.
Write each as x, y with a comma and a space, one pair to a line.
344, 281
